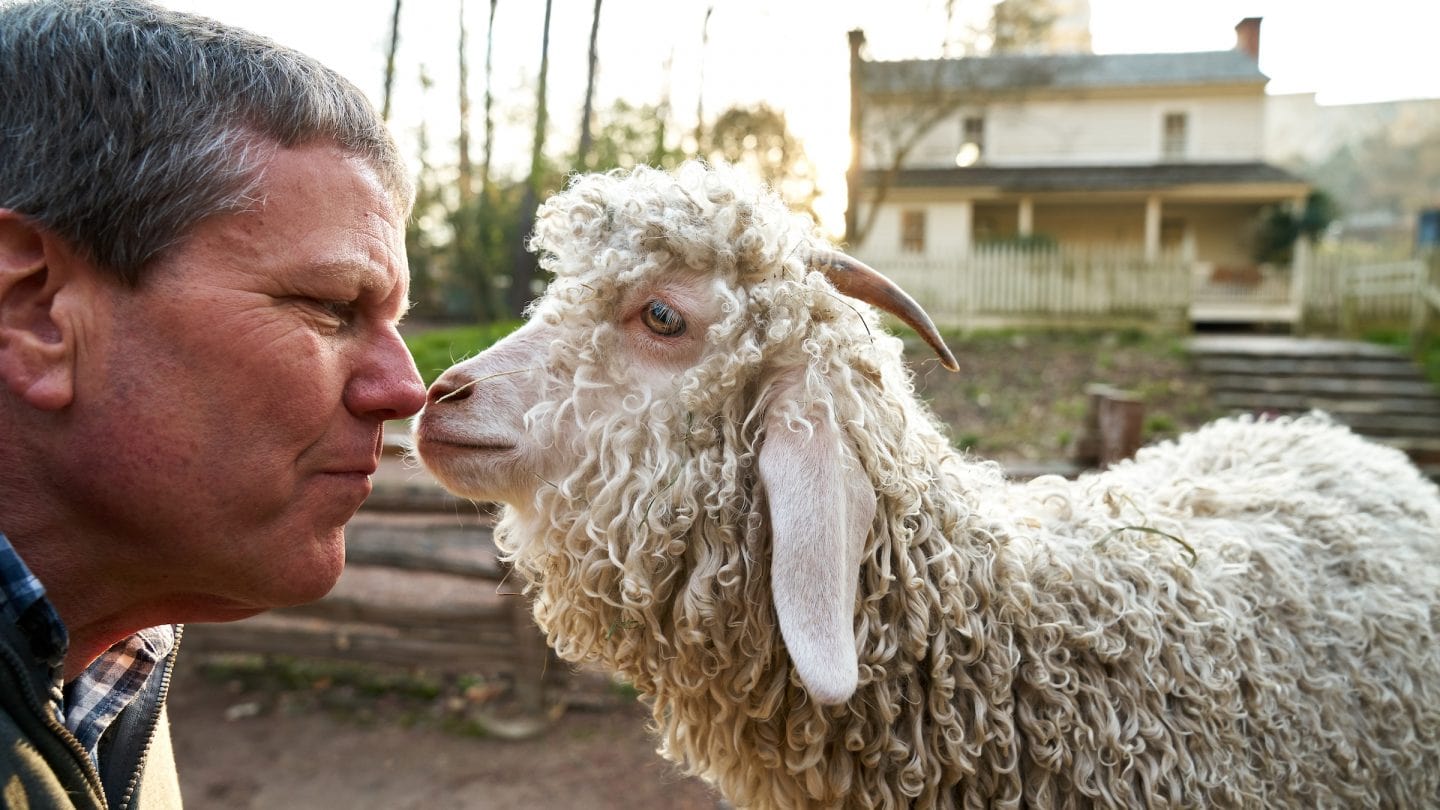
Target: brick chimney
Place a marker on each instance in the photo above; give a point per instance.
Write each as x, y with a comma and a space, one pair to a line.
1247, 37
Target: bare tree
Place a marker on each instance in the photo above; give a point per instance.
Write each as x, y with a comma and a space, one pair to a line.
467, 184
582, 154
759, 139
524, 269
1019, 24
489, 103
924, 94
700, 95
390, 60
542, 112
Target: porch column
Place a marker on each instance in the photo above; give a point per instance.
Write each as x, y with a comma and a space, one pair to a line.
1025, 226
1152, 228
965, 227
1299, 271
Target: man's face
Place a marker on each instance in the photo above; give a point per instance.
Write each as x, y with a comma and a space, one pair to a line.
231, 407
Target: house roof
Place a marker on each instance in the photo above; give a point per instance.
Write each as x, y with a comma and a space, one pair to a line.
1088, 178
1061, 72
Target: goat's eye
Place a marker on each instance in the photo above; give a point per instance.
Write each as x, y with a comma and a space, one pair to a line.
661, 319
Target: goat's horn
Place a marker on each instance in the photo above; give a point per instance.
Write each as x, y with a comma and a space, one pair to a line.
856, 279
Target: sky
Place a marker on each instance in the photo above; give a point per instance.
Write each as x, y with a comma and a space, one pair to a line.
793, 54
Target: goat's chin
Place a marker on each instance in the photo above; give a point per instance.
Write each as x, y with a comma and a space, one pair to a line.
477, 473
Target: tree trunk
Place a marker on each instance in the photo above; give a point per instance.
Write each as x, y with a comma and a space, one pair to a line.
489, 104
542, 112
586, 138
467, 184
700, 95
524, 267
390, 60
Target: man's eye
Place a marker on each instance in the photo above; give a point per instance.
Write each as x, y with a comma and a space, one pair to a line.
343, 311
661, 319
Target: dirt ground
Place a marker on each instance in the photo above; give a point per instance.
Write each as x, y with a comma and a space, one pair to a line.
1019, 397
292, 738
249, 742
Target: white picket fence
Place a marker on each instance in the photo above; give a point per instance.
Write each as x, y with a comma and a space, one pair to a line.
1351, 292
1010, 286
1017, 286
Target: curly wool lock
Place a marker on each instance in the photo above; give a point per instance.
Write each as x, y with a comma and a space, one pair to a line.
1244, 617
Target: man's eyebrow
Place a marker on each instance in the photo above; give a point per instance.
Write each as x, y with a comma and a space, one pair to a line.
347, 270
363, 275
368, 278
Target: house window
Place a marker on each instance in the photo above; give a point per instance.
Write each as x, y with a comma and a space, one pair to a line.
972, 141
912, 231
1177, 127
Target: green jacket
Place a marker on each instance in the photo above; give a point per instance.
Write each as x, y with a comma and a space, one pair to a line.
42, 765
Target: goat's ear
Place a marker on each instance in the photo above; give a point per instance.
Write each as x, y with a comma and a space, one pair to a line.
822, 506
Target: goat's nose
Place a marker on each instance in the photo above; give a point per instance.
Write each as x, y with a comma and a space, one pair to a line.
447, 390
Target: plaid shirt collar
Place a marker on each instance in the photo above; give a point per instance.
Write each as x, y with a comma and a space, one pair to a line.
88, 704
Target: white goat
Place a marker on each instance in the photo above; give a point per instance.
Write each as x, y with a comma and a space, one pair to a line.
721, 485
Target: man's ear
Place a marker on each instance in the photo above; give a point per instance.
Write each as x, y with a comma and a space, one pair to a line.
36, 344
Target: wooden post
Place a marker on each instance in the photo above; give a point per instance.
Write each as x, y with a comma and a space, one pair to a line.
532, 658
1114, 423
1121, 420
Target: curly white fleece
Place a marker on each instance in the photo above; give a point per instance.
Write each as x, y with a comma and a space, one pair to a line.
1245, 617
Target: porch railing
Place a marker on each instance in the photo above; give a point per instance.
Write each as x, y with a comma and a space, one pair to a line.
1015, 285
1009, 285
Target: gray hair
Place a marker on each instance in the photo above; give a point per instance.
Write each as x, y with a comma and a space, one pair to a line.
124, 124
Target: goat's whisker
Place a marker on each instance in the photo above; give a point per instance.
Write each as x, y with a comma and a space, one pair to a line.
480, 380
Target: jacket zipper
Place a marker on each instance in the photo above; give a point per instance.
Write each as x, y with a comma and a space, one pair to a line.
159, 707
87, 767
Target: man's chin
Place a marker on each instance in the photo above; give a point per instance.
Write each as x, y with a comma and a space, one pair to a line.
318, 574
306, 575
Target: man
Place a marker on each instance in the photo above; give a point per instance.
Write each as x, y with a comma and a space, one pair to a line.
202, 266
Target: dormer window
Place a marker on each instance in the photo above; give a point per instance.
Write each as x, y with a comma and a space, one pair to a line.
972, 141
1176, 136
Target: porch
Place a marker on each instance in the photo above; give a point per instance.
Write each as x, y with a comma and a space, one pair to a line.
1203, 212
1008, 285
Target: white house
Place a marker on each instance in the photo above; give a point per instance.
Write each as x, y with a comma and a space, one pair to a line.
1160, 152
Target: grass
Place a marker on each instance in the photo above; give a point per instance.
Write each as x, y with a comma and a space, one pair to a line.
1426, 352
1020, 395
438, 349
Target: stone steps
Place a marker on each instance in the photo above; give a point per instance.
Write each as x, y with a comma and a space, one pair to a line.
1378, 391
1363, 367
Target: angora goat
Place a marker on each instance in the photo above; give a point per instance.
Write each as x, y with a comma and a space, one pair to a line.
721, 485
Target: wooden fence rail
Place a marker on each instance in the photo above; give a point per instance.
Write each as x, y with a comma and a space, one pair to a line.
1015, 285
420, 591
1426, 317
1067, 285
